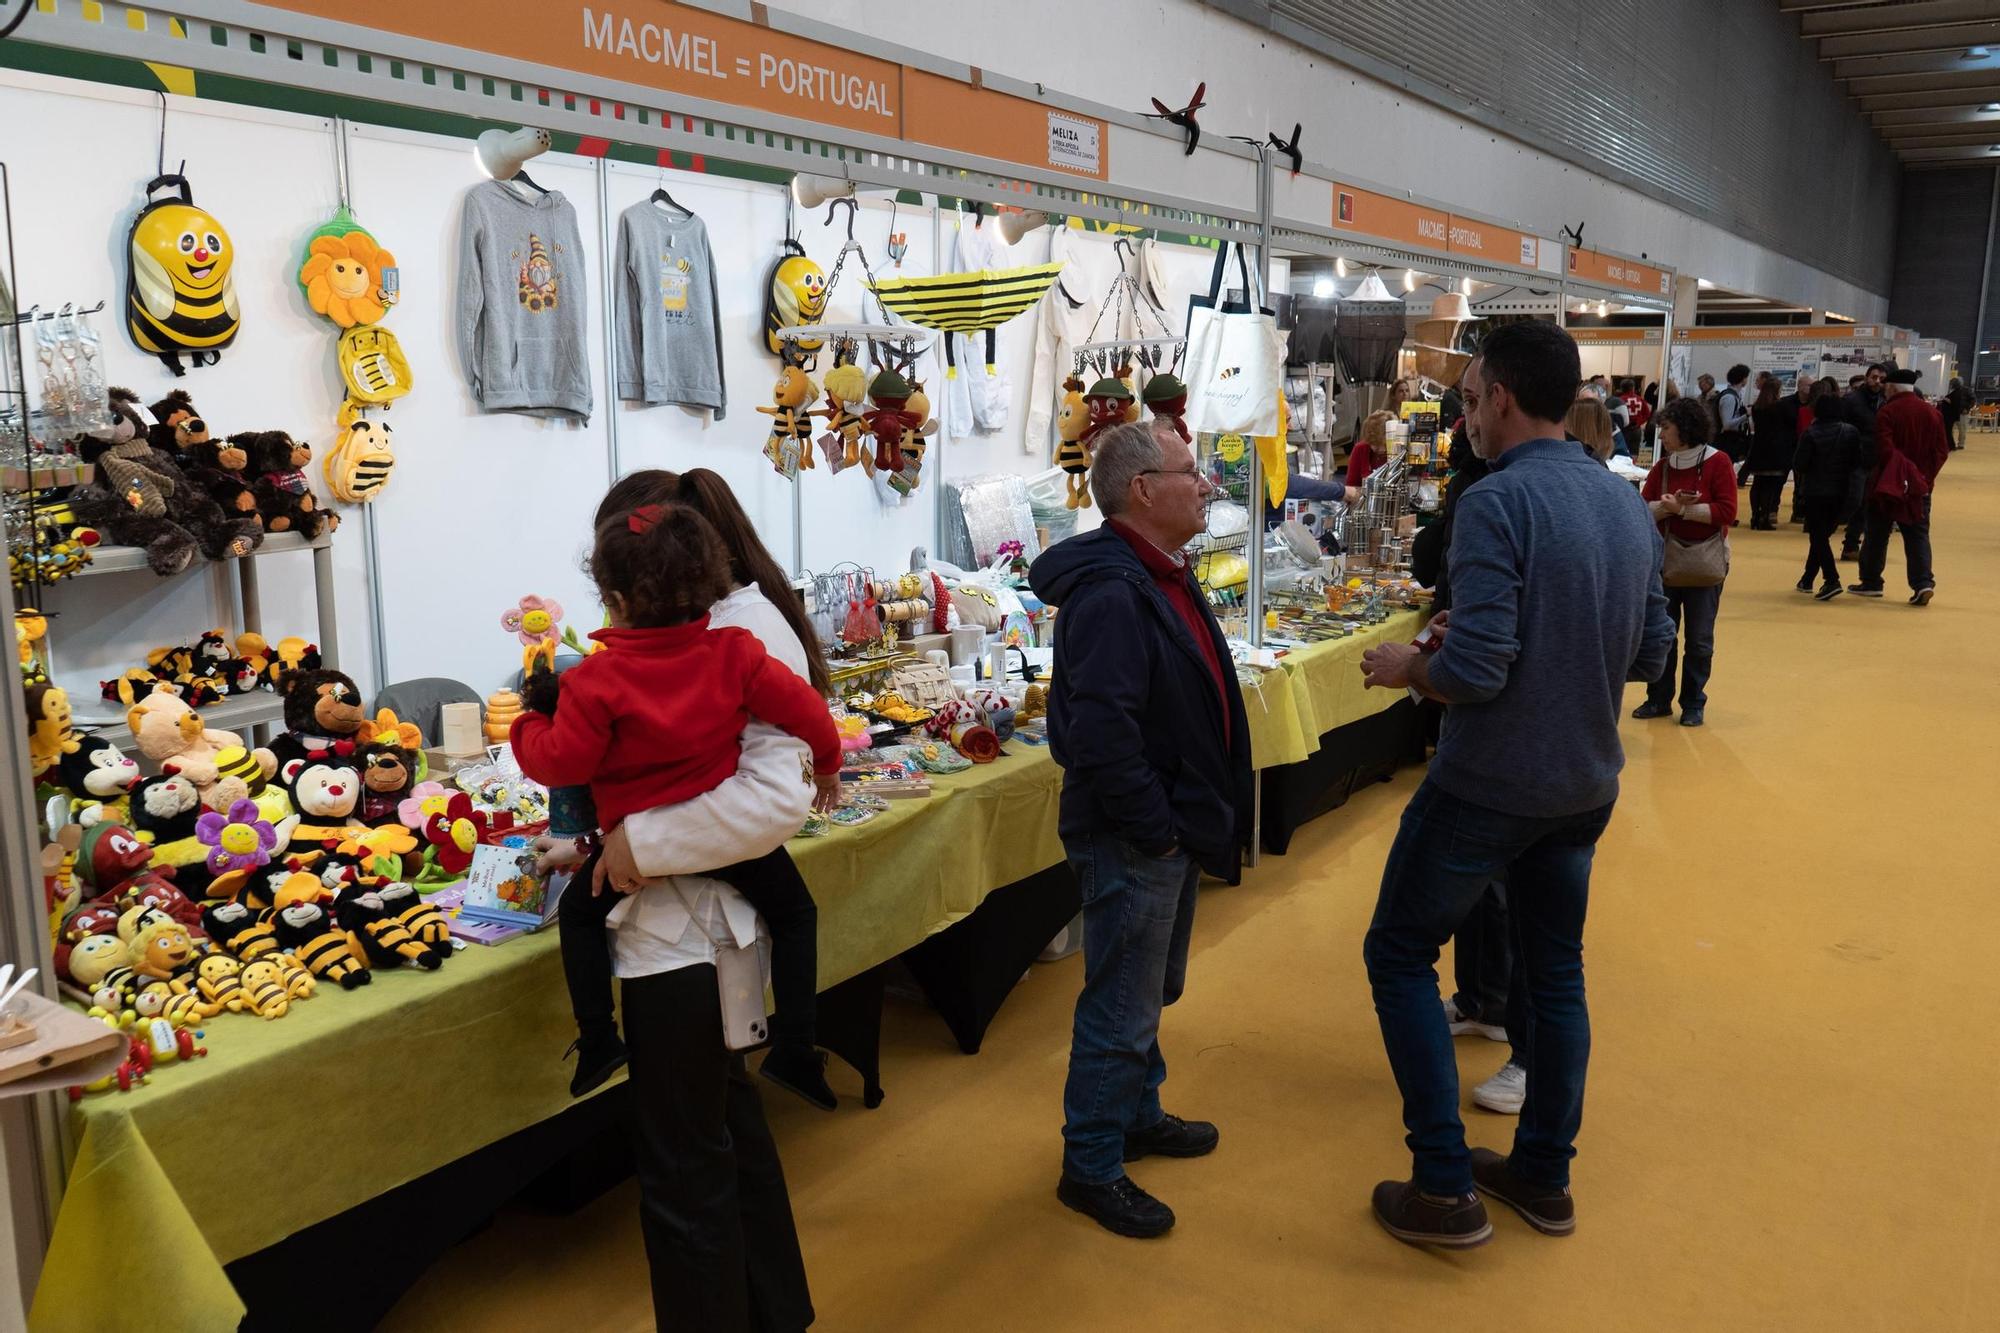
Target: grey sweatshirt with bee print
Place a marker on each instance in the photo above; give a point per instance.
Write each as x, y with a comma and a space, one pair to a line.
523, 296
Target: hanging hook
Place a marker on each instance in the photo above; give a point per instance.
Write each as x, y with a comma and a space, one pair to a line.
1119, 248
163, 133
852, 209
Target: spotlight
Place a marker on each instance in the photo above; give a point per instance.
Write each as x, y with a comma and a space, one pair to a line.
502, 153
1322, 286
1990, 109
1013, 226
1603, 309
1975, 53
1409, 279
1465, 286
810, 192
1339, 267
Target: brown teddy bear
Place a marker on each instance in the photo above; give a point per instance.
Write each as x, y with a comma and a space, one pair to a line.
172, 735
284, 497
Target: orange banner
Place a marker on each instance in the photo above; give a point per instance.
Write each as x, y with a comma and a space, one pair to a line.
657, 43
1780, 333
1389, 219
1601, 335
1629, 274
951, 114
1490, 241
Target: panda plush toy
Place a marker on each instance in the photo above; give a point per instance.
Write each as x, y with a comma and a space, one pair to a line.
167, 807
326, 792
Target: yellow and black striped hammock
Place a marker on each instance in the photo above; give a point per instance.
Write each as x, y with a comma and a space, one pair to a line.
968, 302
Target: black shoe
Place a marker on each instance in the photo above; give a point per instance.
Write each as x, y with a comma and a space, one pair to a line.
1922, 596
1649, 709
1549, 1211
1690, 717
1865, 589
1828, 591
1805, 584
800, 1070
1850, 553
1120, 1207
1172, 1137
597, 1059
1452, 1222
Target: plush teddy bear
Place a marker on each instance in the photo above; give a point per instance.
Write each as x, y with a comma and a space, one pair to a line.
284, 496
166, 807
222, 468
177, 427
387, 774
326, 791
142, 498
172, 735
323, 715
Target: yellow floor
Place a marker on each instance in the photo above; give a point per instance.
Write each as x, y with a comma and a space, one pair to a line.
1792, 1108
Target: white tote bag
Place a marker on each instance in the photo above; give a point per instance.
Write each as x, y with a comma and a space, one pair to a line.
1235, 358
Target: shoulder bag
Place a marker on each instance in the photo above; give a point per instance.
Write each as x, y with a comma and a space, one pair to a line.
1235, 358
1686, 564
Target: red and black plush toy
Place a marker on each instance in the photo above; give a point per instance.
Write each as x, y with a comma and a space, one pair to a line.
387, 774
323, 714
285, 497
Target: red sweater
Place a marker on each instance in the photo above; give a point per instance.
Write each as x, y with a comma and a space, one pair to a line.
657, 717
1912, 427
1714, 481
1172, 580
1361, 461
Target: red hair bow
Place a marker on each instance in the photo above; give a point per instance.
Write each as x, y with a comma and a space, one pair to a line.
643, 518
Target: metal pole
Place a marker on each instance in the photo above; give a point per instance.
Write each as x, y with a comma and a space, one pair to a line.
1985, 278
612, 461
1666, 364
1254, 603
938, 443
371, 552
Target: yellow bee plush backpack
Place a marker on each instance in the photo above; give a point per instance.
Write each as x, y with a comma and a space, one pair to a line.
795, 295
372, 364
180, 283
358, 465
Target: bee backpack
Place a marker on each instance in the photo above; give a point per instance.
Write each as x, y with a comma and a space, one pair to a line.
795, 295
180, 284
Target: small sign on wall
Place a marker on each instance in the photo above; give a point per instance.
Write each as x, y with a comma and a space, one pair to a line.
1075, 144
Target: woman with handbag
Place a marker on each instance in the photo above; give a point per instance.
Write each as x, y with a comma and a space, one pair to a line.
1692, 493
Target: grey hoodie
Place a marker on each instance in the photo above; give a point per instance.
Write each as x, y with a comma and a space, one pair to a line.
523, 295
669, 320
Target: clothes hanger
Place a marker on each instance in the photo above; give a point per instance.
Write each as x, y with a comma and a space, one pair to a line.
660, 196
523, 178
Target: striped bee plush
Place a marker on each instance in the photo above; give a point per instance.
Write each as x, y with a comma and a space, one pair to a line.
307, 932
180, 290
358, 464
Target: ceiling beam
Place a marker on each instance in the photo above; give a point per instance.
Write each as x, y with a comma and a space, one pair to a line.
1813, 6
1940, 118
1977, 138
1894, 18
1971, 94
1935, 65
1875, 46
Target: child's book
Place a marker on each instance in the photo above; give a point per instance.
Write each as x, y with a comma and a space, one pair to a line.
502, 888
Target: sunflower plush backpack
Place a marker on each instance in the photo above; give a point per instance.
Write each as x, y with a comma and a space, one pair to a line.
180, 281
351, 280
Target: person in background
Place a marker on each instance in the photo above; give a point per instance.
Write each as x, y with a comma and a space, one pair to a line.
1863, 401
1774, 437
1826, 474
1639, 408
1800, 405
1370, 451
1732, 421
1952, 408
1692, 493
1911, 427
1705, 390
1299, 486
1556, 605
1147, 723
1589, 424
1402, 391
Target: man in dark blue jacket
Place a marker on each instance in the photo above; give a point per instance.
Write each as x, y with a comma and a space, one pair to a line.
1148, 725
1557, 603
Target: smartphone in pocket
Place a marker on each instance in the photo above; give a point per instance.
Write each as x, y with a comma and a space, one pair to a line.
739, 975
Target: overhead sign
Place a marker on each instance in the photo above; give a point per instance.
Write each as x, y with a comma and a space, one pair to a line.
1604, 335
692, 52
952, 114
1630, 275
1771, 333
1490, 241
1388, 218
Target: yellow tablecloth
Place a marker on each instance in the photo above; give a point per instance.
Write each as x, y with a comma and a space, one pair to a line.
355, 1092
1316, 689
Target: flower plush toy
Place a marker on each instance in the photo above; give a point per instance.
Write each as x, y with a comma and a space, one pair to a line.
242, 839
537, 622
342, 276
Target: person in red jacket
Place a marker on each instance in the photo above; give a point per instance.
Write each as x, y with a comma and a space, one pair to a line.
1911, 427
655, 717
1692, 493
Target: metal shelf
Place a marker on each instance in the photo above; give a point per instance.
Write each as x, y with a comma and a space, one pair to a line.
124, 559
236, 713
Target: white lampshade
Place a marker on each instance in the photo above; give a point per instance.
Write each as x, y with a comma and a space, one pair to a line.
812, 191
502, 153
1015, 225
1372, 288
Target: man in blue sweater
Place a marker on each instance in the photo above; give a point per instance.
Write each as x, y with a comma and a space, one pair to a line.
1557, 603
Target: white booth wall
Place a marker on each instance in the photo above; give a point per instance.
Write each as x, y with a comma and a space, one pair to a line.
481, 508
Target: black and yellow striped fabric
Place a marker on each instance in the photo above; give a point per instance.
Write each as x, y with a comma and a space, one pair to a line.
968, 302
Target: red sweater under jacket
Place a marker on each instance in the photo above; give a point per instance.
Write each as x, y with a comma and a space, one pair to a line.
657, 717
1175, 584
1714, 481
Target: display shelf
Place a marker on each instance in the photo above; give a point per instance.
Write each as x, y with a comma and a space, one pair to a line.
124, 559
236, 713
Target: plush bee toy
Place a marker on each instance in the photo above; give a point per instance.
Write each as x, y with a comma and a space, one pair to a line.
374, 933
180, 292
413, 914
790, 446
308, 933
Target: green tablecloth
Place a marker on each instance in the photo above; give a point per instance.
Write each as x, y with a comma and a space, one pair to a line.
289, 1122
1316, 689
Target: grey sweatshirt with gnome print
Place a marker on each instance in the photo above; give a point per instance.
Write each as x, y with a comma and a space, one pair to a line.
523, 296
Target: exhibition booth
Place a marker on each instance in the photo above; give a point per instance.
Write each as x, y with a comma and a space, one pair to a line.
395, 305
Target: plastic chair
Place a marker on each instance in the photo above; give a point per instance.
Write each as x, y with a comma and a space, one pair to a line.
422, 701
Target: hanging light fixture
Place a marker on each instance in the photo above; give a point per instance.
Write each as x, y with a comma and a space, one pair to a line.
1409, 279
1465, 286
1339, 266
1322, 286
1603, 309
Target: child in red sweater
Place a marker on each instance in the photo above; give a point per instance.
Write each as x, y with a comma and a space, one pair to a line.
655, 718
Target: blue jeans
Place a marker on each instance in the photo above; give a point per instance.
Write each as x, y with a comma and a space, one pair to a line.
1693, 610
1446, 853
1138, 912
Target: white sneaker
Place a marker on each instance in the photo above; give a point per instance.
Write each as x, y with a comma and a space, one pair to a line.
1505, 1091
1462, 1026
